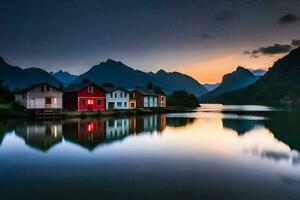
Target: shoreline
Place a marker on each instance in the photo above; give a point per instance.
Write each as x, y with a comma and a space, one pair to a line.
66, 114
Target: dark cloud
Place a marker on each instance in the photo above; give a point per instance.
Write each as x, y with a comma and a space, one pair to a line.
287, 19
205, 36
296, 43
269, 50
246, 52
225, 15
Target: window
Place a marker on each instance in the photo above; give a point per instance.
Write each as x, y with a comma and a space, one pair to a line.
121, 94
90, 89
90, 102
125, 95
125, 104
43, 89
99, 102
48, 88
132, 105
48, 100
162, 98
23, 95
111, 95
116, 95
119, 104
83, 101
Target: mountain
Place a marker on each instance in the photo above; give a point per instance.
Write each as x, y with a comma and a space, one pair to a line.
258, 72
120, 74
64, 76
280, 84
211, 86
14, 77
240, 78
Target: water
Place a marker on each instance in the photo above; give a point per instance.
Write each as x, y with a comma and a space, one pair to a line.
200, 155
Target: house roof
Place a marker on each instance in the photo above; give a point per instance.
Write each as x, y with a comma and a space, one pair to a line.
78, 86
30, 87
145, 92
112, 89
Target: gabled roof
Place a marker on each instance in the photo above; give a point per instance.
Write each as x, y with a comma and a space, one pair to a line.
79, 86
36, 85
112, 89
144, 92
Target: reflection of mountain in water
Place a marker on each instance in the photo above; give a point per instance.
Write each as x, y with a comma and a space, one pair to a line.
241, 126
286, 127
40, 135
5, 127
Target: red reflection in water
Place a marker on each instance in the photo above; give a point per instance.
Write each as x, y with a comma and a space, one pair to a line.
91, 127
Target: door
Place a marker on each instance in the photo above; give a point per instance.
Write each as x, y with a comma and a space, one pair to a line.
111, 105
48, 102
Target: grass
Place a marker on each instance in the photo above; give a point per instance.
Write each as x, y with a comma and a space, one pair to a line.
6, 106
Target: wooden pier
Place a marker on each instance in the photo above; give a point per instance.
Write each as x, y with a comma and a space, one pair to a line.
47, 114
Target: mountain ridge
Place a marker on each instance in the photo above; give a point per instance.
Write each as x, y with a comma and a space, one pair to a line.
275, 87
129, 78
237, 79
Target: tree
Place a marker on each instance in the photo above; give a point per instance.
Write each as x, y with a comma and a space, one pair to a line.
107, 84
150, 86
182, 98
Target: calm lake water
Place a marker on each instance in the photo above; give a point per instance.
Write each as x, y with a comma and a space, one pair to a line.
202, 155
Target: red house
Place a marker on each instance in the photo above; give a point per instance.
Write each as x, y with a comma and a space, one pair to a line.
85, 96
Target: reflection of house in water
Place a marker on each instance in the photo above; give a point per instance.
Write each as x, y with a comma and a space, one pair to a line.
117, 128
87, 133
147, 123
91, 132
40, 135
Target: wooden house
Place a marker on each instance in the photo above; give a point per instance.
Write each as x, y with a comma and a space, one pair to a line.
40, 96
85, 96
145, 98
161, 99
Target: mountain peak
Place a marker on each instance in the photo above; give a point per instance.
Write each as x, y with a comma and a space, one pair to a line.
240, 68
161, 71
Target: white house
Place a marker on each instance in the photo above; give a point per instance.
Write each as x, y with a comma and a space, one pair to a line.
116, 98
40, 96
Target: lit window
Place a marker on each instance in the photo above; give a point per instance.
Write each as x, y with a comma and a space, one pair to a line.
90, 102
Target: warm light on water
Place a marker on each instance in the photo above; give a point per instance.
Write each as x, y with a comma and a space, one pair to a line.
206, 155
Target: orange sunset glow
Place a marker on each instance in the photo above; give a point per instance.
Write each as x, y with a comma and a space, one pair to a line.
212, 70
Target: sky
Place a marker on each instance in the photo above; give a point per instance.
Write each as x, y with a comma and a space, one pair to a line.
205, 39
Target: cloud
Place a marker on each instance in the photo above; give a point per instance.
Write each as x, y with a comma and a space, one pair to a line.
269, 50
205, 36
296, 43
225, 15
287, 19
